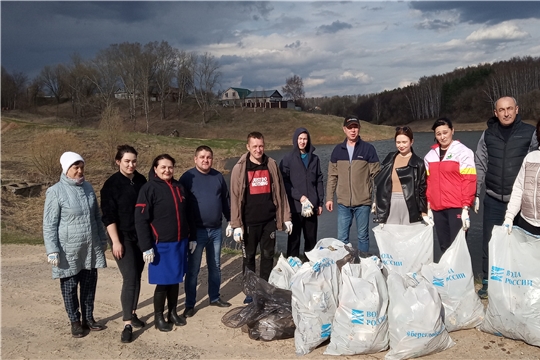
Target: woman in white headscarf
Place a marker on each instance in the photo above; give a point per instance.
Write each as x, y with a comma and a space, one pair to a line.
75, 241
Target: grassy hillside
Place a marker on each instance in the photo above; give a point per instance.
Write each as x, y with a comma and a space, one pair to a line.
31, 141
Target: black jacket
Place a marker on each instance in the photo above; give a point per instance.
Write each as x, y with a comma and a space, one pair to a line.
413, 182
160, 213
298, 179
498, 161
118, 198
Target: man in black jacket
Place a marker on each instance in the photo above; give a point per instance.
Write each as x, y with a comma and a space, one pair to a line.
498, 158
303, 180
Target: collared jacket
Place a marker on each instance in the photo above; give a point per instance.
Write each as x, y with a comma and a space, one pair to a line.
238, 188
526, 191
298, 179
413, 183
498, 161
352, 181
161, 213
451, 182
72, 228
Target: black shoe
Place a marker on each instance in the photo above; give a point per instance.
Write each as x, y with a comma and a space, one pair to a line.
92, 325
76, 329
220, 303
136, 322
176, 319
189, 312
127, 334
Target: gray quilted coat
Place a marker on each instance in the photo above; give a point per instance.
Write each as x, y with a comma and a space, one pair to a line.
72, 227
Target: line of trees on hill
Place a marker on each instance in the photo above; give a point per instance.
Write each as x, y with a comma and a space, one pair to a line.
464, 95
155, 71
159, 72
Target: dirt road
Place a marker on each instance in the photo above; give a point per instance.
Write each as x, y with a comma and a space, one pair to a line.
35, 325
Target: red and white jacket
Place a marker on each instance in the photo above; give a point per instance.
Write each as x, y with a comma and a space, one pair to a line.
451, 182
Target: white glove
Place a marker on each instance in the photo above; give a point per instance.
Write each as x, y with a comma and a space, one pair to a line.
192, 246
148, 256
508, 223
476, 204
288, 227
465, 220
238, 234
229, 230
381, 225
307, 208
373, 208
53, 259
428, 220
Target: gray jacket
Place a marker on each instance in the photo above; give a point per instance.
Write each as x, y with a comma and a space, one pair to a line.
72, 227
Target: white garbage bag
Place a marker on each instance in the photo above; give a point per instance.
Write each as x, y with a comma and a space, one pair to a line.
454, 280
314, 303
405, 248
514, 286
329, 248
360, 325
283, 271
415, 321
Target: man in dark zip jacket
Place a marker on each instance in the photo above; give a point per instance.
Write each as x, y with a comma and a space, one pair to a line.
498, 158
303, 180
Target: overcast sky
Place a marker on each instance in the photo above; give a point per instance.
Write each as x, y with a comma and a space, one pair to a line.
338, 48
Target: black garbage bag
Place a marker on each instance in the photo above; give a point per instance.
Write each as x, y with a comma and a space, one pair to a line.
268, 317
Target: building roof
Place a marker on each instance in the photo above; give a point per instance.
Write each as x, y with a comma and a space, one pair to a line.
242, 93
264, 94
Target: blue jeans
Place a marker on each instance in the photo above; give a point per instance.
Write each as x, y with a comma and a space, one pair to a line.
345, 217
209, 240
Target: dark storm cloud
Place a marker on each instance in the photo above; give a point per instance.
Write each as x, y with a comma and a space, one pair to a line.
479, 12
294, 45
333, 28
435, 24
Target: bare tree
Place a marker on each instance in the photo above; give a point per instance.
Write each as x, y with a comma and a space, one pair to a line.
185, 67
146, 70
79, 84
206, 78
53, 79
165, 70
294, 88
105, 77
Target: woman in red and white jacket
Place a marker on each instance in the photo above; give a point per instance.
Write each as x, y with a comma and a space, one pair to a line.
451, 183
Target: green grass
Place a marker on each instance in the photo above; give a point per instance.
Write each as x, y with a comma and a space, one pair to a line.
17, 238
226, 250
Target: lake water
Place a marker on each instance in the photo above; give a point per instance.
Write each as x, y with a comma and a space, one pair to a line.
422, 144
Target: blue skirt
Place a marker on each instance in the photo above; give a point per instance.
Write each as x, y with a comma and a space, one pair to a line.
170, 263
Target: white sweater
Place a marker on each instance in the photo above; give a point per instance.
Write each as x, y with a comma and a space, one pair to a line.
526, 191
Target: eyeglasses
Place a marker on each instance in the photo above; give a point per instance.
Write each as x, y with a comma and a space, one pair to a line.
404, 128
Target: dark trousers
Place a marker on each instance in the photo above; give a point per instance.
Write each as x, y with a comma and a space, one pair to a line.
265, 235
308, 225
131, 266
494, 211
87, 280
171, 295
447, 225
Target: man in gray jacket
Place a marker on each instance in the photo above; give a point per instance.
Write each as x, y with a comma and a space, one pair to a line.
498, 158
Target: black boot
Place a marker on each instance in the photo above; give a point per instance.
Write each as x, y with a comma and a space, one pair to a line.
172, 302
159, 307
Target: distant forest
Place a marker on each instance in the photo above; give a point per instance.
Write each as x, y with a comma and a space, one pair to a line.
463, 95
159, 72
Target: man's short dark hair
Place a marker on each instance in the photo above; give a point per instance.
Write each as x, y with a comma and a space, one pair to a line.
255, 135
203, 148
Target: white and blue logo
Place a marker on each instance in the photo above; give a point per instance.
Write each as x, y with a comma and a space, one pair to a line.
387, 259
326, 329
438, 281
357, 317
497, 273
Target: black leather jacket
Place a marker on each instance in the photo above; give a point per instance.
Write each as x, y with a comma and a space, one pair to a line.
413, 183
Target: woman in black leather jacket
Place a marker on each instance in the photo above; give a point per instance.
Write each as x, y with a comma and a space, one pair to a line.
400, 186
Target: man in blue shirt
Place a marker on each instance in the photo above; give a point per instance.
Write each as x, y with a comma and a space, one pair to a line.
208, 199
